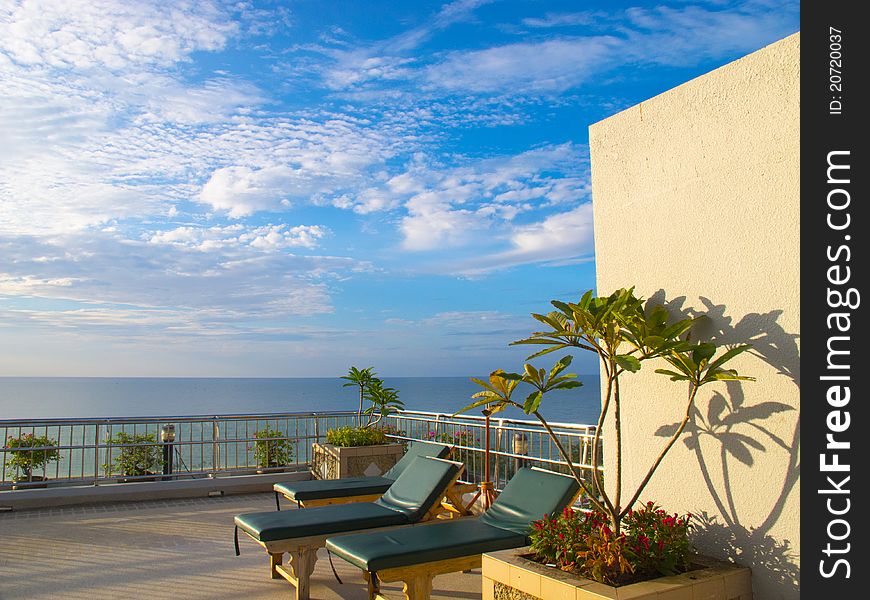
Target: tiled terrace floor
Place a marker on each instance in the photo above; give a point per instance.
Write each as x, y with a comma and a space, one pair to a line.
179, 549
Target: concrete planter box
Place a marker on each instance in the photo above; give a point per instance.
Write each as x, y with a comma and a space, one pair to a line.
35, 482
334, 462
509, 576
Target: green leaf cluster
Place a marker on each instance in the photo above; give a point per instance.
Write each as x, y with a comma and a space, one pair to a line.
140, 454
383, 400
347, 436
24, 458
272, 448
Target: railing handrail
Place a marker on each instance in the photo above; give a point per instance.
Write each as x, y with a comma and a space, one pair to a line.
40, 422
522, 422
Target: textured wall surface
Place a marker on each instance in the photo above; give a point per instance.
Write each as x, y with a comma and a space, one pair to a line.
696, 200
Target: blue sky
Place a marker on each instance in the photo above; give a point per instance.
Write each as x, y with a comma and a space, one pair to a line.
289, 188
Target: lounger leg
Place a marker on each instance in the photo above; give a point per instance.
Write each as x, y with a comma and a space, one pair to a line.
302, 563
275, 559
374, 587
418, 588
458, 506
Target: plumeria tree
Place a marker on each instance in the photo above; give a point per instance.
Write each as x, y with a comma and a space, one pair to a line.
625, 335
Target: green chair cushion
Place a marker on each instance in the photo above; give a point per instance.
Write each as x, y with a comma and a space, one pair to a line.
419, 487
527, 497
407, 500
318, 489
421, 544
414, 450
322, 520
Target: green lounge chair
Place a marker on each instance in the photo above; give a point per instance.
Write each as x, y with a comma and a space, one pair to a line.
413, 497
320, 492
415, 555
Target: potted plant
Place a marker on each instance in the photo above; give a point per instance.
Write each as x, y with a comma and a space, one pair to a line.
272, 450
461, 440
363, 450
624, 334
139, 457
30, 453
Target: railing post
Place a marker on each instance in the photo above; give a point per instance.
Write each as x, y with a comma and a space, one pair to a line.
215, 450
498, 435
96, 453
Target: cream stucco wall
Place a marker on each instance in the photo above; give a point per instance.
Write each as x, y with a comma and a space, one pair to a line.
696, 197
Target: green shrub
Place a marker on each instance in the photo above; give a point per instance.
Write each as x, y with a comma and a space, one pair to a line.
140, 456
356, 436
26, 461
270, 452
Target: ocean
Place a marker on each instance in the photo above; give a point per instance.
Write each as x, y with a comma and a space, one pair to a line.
58, 397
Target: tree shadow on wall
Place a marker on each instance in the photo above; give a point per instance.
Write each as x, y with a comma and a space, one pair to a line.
741, 432
751, 547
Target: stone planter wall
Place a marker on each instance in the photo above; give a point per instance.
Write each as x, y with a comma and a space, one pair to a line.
334, 462
508, 576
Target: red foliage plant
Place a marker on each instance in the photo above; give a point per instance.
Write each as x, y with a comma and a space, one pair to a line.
651, 543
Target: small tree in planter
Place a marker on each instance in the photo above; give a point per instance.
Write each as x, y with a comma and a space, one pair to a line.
614, 544
624, 336
25, 460
338, 457
139, 455
271, 449
384, 401
361, 378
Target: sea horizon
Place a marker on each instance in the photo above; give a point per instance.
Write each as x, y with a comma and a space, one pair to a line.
48, 397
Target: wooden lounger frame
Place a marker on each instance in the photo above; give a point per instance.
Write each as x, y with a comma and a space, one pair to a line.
417, 579
303, 551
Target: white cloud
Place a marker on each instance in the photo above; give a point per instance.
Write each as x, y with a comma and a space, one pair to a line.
316, 160
470, 203
242, 191
215, 100
660, 35
387, 60
436, 227
684, 36
105, 34
525, 68
563, 19
234, 273
559, 237
265, 238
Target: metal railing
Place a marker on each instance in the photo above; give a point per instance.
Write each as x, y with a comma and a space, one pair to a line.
513, 443
91, 452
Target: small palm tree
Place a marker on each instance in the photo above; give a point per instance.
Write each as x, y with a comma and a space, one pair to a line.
384, 401
361, 378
